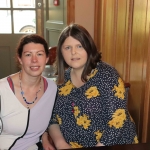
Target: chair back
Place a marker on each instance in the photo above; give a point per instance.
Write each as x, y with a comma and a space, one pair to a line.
127, 87
52, 55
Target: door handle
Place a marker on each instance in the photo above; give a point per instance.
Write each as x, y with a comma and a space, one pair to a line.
39, 4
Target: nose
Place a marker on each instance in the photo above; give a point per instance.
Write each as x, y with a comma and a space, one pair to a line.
34, 58
73, 50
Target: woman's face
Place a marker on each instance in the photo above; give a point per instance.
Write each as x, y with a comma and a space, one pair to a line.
74, 54
33, 59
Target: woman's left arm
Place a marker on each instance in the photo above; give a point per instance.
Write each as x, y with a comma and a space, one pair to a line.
119, 129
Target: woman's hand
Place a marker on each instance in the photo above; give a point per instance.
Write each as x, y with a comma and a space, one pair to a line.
47, 142
99, 144
58, 139
63, 145
48, 146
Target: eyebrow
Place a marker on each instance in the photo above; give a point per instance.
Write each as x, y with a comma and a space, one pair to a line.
37, 51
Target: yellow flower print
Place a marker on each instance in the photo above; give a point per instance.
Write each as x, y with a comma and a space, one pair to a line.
65, 90
119, 113
120, 89
135, 140
76, 111
75, 145
92, 74
80, 121
59, 120
119, 117
83, 121
92, 92
116, 123
98, 135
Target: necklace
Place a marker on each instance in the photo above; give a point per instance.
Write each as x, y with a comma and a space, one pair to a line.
22, 93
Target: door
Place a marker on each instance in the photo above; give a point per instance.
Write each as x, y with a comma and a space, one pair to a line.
55, 19
17, 18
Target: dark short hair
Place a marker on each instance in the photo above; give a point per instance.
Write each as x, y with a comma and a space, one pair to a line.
79, 33
31, 38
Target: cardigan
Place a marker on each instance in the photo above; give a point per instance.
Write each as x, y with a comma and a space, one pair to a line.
23, 127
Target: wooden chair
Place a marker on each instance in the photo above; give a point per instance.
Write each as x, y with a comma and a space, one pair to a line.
127, 87
52, 55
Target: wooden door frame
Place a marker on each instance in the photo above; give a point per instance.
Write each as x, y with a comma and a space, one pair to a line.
70, 11
97, 25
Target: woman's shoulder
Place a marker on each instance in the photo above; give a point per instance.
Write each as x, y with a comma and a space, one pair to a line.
50, 82
106, 68
107, 74
4, 85
3, 81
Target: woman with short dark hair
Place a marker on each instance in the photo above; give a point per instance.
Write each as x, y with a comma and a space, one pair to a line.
27, 98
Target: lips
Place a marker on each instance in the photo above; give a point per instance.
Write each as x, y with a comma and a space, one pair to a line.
74, 59
34, 68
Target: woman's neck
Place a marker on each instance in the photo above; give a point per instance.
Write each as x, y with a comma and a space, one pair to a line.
76, 78
29, 81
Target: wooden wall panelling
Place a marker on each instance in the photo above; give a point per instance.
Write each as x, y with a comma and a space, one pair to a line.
147, 87
114, 32
111, 26
137, 73
123, 28
146, 108
128, 38
118, 37
146, 69
107, 20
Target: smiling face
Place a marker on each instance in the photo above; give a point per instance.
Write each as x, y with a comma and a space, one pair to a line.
33, 59
74, 54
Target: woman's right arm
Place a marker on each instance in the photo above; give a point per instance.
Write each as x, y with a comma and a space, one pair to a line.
46, 142
57, 137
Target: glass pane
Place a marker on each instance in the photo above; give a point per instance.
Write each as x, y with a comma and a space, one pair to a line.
4, 3
5, 21
24, 3
24, 21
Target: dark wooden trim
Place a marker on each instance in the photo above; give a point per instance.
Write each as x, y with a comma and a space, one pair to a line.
70, 11
97, 19
129, 39
114, 35
146, 113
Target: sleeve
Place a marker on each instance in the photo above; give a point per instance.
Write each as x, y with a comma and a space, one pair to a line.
119, 129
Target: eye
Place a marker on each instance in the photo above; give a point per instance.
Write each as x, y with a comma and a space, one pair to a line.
40, 54
67, 47
79, 46
27, 54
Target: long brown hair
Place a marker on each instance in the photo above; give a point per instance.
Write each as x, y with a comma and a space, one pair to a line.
79, 33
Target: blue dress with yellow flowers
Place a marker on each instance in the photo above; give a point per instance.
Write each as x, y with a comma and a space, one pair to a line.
95, 112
